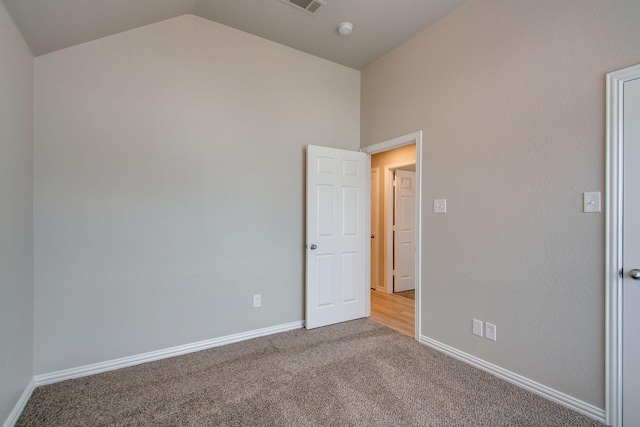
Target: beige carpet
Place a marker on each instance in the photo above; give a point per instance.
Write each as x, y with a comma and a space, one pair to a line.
357, 373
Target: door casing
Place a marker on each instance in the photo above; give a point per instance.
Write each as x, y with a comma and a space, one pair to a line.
613, 243
415, 137
375, 224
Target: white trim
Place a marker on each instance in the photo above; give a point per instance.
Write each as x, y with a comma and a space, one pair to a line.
390, 144
13, 417
563, 399
377, 285
613, 243
124, 362
367, 273
415, 137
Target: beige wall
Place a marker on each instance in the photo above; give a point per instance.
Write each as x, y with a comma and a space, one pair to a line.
511, 98
392, 157
16, 215
169, 186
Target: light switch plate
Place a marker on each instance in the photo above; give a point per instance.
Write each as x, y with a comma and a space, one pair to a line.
440, 206
592, 202
477, 327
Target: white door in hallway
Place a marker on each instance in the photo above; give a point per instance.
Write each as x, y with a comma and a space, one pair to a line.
404, 256
631, 256
337, 236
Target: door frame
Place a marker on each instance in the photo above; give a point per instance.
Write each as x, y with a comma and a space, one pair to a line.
613, 243
401, 141
390, 205
377, 215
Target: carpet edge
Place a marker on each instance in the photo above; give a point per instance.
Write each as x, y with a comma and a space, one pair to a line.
123, 362
548, 393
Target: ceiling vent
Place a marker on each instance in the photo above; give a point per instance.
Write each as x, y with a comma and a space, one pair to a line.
309, 6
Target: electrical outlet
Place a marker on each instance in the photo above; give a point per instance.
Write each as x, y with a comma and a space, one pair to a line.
257, 300
490, 332
477, 327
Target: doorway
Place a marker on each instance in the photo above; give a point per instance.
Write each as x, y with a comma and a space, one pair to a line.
402, 237
393, 219
623, 248
410, 145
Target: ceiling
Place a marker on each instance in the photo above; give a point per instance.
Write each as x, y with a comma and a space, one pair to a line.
379, 25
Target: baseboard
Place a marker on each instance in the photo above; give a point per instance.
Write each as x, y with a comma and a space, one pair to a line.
525, 383
22, 402
124, 362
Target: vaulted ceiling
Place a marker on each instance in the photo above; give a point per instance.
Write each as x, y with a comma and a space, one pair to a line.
379, 25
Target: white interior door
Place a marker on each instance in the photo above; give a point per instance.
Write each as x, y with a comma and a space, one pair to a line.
375, 228
631, 257
404, 257
337, 236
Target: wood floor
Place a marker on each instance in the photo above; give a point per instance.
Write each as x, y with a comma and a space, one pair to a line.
393, 311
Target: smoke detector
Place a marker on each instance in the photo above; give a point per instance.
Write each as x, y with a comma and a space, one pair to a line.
309, 6
345, 28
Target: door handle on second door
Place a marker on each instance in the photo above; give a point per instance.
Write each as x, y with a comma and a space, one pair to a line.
635, 274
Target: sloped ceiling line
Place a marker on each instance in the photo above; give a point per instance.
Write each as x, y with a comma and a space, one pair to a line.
379, 25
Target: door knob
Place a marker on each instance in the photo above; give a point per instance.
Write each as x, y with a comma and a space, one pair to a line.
635, 274
314, 247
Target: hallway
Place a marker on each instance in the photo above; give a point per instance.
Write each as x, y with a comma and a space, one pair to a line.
393, 311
